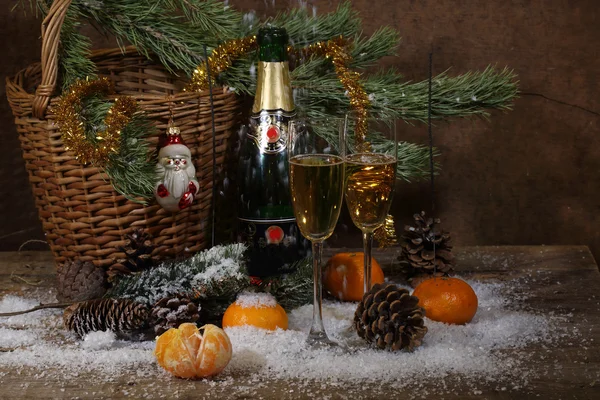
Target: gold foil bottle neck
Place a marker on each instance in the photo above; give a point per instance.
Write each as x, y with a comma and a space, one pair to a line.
273, 87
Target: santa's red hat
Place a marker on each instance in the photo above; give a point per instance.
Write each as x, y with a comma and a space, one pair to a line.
173, 136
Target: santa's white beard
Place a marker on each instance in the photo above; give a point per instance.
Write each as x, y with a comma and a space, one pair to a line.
176, 182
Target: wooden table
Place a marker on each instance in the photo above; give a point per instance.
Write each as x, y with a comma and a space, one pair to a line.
567, 282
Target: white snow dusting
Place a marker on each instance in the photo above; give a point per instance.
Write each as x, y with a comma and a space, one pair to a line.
256, 300
100, 340
487, 350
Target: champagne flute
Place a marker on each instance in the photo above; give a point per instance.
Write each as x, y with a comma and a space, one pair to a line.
370, 179
317, 186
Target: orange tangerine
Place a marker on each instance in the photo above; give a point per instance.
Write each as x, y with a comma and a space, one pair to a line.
191, 352
449, 300
257, 309
344, 275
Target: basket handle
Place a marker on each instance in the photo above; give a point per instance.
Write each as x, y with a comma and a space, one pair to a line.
51, 27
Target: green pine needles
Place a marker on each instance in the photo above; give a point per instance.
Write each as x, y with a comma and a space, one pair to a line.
213, 277
175, 31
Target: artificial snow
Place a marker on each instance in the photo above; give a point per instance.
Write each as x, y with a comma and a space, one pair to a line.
100, 340
486, 351
256, 300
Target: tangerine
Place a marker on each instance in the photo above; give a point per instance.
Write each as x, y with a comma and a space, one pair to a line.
344, 275
191, 352
260, 310
448, 300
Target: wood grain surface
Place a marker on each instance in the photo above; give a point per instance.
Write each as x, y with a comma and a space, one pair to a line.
562, 280
529, 176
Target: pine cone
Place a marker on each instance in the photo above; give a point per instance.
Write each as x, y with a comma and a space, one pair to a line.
78, 281
389, 317
170, 312
418, 257
124, 317
138, 255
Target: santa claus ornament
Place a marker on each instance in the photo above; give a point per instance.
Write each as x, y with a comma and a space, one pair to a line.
176, 185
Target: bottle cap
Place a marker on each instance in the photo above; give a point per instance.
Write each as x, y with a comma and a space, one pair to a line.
272, 44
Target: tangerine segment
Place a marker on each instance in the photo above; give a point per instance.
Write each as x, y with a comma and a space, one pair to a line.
345, 275
214, 353
189, 352
449, 300
261, 316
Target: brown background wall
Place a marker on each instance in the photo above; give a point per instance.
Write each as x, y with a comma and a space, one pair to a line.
530, 176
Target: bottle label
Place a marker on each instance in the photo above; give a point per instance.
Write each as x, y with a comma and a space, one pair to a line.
274, 245
269, 130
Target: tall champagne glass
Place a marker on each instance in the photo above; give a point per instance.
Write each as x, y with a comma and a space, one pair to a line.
317, 186
370, 178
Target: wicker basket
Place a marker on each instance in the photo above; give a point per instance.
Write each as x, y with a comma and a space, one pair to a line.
82, 216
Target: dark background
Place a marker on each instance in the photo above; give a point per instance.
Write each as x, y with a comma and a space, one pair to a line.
530, 176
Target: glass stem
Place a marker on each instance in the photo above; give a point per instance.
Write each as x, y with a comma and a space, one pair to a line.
367, 246
317, 330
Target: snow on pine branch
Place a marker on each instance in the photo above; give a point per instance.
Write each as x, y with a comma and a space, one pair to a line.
211, 273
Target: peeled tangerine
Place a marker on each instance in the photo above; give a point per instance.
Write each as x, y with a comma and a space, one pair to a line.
191, 352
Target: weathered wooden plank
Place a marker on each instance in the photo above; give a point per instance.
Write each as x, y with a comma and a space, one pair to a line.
557, 279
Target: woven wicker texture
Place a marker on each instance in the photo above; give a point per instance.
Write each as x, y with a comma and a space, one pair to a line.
82, 216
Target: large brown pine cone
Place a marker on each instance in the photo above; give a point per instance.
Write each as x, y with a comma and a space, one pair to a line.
170, 312
123, 316
418, 256
389, 317
78, 281
138, 255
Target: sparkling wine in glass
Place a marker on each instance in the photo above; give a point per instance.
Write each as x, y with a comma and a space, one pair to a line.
317, 187
370, 181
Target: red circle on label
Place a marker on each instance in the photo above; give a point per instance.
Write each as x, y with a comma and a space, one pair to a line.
274, 234
273, 134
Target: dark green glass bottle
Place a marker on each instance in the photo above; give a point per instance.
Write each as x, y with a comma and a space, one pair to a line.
266, 217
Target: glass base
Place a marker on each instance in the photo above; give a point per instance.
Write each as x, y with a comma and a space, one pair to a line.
320, 340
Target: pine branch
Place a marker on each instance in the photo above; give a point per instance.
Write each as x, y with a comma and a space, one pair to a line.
74, 56
366, 51
151, 30
208, 16
132, 173
293, 290
213, 274
304, 29
461, 96
157, 29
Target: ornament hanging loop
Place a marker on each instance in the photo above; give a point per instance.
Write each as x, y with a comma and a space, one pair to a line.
171, 123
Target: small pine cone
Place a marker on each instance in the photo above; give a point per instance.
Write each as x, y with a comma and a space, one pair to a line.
389, 317
138, 255
124, 317
170, 312
418, 256
78, 281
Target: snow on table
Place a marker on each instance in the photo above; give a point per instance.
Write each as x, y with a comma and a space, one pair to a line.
490, 354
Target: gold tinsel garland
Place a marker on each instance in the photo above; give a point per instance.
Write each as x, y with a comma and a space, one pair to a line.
335, 50
224, 55
72, 128
220, 60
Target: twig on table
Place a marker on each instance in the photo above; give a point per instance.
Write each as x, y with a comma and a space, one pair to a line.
40, 307
7, 349
18, 278
31, 241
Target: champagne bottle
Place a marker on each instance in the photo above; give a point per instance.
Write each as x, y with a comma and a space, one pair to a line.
266, 217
